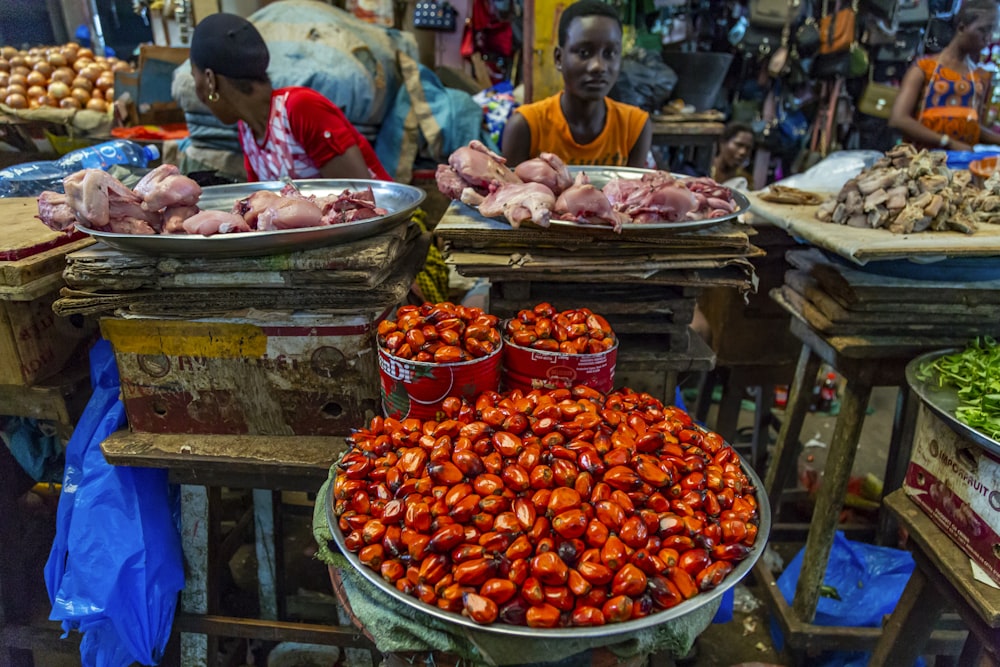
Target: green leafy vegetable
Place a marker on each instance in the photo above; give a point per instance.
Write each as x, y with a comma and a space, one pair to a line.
975, 374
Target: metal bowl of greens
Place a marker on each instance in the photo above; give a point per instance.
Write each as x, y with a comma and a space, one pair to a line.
962, 386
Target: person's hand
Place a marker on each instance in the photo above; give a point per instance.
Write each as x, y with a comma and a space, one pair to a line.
955, 145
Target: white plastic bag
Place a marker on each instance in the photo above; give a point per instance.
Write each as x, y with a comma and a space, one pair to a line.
830, 174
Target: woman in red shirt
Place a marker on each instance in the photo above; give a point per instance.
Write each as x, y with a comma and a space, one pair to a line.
295, 131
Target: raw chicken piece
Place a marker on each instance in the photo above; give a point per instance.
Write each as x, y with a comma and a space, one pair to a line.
174, 217
54, 211
582, 202
349, 206
665, 202
251, 207
480, 167
128, 217
166, 186
290, 213
546, 169
449, 182
519, 202
89, 193
208, 223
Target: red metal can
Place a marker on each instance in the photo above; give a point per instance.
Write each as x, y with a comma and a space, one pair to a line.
527, 369
417, 388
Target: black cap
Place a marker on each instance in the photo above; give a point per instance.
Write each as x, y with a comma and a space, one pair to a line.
229, 45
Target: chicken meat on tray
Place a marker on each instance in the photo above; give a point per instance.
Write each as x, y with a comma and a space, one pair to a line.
543, 189
166, 202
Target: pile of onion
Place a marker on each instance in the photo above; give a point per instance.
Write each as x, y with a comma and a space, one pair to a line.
67, 77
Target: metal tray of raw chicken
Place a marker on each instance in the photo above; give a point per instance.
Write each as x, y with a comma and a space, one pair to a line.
398, 199
599, 177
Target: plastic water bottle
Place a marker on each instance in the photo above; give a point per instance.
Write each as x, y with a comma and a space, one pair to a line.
31, 178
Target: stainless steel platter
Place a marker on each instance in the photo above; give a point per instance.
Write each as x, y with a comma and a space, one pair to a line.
599, 176
398, 199
943, 400
739, 571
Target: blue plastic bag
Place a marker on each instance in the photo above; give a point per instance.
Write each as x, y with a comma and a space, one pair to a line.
116, 566
869, 581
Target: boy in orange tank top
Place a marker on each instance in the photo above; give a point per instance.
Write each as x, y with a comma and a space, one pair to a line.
581, 124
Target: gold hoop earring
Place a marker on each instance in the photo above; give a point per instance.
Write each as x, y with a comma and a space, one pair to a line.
213, 96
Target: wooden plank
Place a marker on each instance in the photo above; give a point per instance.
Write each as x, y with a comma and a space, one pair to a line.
23, 234
272, 631
885, 326
366, 262
232, 455
24, 272
864, 245
910, 625
927, 313
862, 290
947, 558
725, 277
868, 346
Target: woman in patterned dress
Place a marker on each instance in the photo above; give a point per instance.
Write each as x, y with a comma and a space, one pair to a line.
941, 97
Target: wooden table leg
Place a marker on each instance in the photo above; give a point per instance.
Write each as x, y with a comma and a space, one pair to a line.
198, 539
728, 416
761, 421
900, 448
830, 498
972, 652
786, 448
910, 625
267, 516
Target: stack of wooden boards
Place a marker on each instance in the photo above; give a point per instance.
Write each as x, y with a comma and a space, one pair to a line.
366, 274
37, 378
645, 282
838, 300
272, 345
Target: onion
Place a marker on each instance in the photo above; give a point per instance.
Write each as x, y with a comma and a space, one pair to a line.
121, 66
83, 82
4, 79
46, 101
58, 90
64, 75
16, 101
80, 63
35, 92
4, 65
70, 103
57, 59
18, 80
44, 68
91, 72
81, 95
34, 78
97, 94
18, 89
17, 61
8, 52
85, 53
105, 81
97, 105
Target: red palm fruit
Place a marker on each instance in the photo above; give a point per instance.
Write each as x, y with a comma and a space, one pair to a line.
618, 609
549, 568
479, 608
542, 616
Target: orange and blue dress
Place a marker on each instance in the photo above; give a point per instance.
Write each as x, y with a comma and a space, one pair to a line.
951, 100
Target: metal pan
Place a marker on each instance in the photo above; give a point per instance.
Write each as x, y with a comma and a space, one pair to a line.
741, 570
398, 199
943, 400
599, 177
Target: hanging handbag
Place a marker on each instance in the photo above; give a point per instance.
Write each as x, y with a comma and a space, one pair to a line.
807, 38
906, 46
759, 43
774, 13
837, 30
859, 63
940, 32
434, 15
883, 9
913, 12
877, 98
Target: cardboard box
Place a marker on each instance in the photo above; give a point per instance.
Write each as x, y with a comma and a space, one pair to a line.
35, 343
957, 484
283, 374
148, 87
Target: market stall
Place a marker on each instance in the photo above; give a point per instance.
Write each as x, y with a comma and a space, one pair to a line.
867, 301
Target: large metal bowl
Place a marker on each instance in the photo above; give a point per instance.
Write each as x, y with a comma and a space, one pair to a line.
599, 177
739, 571
398, 199
942, 401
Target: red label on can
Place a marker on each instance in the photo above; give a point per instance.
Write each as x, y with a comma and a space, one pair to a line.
525, 368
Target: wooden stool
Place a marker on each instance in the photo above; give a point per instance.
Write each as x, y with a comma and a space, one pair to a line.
864, 364
203, 464
942, 571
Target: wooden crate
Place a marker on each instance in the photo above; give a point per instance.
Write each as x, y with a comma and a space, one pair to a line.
279, 374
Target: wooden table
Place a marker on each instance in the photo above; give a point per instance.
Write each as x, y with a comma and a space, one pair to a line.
203, 464
942, 572
702, 136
